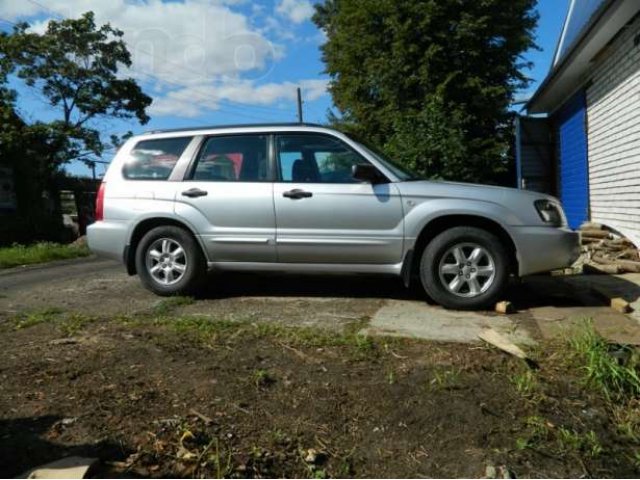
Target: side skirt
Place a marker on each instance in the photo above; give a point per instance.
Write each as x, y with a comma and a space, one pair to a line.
325, 268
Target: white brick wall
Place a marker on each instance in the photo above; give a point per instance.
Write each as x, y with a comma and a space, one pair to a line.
613, 113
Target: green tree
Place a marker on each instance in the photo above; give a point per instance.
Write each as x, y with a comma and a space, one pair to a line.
74, 67
430, 81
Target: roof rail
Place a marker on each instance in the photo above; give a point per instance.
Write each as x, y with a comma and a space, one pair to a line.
238, 125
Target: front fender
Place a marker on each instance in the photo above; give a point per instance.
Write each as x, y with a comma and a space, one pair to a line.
420, 215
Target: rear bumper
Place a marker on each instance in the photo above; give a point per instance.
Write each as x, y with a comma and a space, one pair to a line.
108, 239
541, 249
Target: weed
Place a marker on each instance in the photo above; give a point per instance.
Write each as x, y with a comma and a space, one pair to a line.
525, 383
204, 328
572, 441
446, 379
363, 343
279, 436
26, 320
615, 379
261, 378
320, 473
626, 417
167, 305
391, 377
74, 323
222, 462
537, 433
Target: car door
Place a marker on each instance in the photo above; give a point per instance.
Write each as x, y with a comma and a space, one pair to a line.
228, 196
324, 215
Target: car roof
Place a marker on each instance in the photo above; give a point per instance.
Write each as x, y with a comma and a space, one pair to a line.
235, 126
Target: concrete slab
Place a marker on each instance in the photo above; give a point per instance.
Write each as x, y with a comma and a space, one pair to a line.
625, 286
617, 327
416, 319
565, 321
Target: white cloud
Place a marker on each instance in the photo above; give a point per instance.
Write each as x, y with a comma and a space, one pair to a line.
180, 42
295, 10
195, 100
192, 55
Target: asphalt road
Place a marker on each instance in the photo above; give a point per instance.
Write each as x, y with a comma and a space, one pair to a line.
32, 275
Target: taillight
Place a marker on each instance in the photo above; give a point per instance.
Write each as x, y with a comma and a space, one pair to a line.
100, 202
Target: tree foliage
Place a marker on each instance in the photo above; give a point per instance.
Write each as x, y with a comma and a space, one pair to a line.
429, 81
74, 67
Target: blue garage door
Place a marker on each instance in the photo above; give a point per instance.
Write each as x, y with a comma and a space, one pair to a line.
572, 149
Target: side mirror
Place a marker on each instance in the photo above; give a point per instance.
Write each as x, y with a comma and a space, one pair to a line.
365, 172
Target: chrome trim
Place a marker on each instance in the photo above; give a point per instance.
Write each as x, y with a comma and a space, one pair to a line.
328, 241
242, 240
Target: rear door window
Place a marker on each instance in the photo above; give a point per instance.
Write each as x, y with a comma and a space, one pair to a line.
233, 158
154, 159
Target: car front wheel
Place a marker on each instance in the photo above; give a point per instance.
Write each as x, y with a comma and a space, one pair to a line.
464, 268
170, 262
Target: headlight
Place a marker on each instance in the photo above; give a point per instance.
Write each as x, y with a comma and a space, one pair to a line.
549, 212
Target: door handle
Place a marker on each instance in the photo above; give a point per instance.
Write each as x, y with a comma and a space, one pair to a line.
296, 193
194, 192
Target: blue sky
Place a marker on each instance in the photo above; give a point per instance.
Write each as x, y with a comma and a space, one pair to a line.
209, 62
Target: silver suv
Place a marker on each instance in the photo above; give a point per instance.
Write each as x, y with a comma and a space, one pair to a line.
304, 198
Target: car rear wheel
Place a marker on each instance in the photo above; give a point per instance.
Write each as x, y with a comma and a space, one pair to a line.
170, 262
464, 268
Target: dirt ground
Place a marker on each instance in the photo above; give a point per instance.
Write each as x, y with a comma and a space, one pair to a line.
271, 376
166, 395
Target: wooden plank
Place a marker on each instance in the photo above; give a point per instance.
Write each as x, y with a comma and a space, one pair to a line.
489, 335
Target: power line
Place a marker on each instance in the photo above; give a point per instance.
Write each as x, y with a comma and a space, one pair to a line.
38, 4
203, 98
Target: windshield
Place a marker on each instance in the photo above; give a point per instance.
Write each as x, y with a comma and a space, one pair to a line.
403, 173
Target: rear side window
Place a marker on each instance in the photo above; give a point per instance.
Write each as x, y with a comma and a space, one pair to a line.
154, 159
234, 158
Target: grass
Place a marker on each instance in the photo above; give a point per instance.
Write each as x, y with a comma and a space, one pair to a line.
611, 369
167, 305
68, 324
209, 331
446, 379
74, 323
543, 435
17, 255
525, 383
26, 320
262, 378
626, 416
571, 441
537, 433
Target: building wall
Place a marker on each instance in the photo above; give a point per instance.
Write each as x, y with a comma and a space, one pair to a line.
613, 115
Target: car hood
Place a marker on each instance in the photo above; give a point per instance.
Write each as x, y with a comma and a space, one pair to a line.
472, 191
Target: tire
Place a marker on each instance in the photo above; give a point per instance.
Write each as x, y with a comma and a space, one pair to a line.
178, 273
464, 268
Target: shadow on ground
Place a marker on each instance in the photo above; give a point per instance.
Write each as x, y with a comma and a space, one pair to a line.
230, 285
24, 445
530, 292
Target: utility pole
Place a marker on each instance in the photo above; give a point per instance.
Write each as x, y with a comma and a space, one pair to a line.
299, 105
